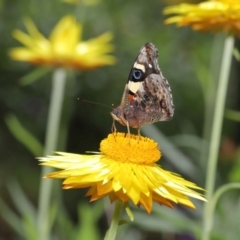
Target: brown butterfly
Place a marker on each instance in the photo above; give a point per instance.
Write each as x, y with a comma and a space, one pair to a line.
147, 97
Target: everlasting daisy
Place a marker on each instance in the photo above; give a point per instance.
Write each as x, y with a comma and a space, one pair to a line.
64, 47
125, 169
212, 15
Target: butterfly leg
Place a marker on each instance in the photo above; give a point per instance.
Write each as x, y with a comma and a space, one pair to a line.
127, 124
139, 134
114, 129
128, 128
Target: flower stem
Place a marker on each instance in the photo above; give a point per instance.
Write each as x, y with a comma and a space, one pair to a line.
216, 134
220, 191
51, 140
210, 94
112, 232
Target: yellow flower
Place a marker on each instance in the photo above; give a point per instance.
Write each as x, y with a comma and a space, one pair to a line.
212, 15
169, 2
64, 46
125, 169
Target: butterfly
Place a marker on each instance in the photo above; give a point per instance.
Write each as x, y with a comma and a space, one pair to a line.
147, 96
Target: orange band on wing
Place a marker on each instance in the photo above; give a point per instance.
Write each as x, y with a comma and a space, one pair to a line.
130, 97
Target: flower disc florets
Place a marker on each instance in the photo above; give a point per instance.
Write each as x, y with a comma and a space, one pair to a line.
130, 148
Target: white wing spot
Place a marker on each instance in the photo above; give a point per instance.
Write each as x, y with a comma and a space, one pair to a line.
134, 86
150, 65
139, 66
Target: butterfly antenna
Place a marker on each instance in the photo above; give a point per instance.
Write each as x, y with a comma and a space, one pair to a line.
100, 104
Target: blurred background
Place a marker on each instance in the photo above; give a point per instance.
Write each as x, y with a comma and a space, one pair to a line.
185, 58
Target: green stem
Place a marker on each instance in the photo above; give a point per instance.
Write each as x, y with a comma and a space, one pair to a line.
112, 232
216, 133
220, 191
210, 94
53, 123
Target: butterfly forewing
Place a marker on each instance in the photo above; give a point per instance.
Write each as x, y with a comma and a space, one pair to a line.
145, 64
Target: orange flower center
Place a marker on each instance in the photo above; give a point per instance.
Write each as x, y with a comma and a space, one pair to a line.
130, 148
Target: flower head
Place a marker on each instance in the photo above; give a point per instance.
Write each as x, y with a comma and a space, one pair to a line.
212, 15
125, 169
64, 46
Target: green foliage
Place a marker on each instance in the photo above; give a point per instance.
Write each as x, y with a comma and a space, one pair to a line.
184, 58
23, 136
234, 174
232, 115
34, 76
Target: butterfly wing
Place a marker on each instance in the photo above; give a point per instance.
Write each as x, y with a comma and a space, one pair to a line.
145, 64
147, 96
151, 103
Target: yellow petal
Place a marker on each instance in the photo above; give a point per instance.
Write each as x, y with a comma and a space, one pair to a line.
119, 175
64, 47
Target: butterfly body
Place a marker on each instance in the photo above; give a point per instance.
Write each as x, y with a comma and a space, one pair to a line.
147, 97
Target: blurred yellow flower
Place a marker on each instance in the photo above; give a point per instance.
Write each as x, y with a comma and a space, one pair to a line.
64, 47
171, 2
212, 15
125, 169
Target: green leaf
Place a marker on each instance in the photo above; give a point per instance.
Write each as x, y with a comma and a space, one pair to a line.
22, 204
232, 115
11, 218
128, 211
163, 219
234, 174
34, 76
64, 225
30, 228
88, 217
122, 222
23, 136
236, 54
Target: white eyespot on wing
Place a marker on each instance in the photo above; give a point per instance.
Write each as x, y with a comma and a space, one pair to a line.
139, 66
134, 86
150, 65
